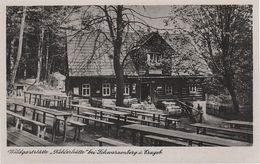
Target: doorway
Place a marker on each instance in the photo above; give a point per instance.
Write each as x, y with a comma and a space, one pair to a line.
145, 91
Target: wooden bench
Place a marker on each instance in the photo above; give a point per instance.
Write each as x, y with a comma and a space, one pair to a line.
173, 121
202, 129
23, 138
145, 121
191, 138
90, 114
111, 142
58, 119
44, 111
108, 117
239, 124
162, 118
78, 125
127, 121
41, 127
166, 123
163, 141
86, 120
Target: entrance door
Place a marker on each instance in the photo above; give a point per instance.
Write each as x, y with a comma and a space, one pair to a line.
145, 91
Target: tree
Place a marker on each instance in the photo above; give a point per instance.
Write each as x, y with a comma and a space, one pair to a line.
43, 42
44, 22
19, 53
113, 24
222, 37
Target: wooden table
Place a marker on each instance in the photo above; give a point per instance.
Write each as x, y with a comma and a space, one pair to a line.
237, 123
23, 138
190, 137
204, 127
38, 97
145, 112
45, 111
102, 111
46, 102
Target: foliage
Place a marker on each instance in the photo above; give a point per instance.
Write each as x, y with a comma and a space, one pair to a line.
222, 37
51, 19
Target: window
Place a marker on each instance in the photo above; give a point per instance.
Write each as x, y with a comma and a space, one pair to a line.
115, 88
153, 58
133, 88
106, 89
86, 89
127, 89
76, 90
168, 89
192, 88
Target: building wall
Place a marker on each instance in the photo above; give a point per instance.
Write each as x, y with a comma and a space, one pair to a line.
181, 88
96, 86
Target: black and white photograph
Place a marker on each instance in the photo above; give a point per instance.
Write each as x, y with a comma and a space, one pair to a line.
129, 76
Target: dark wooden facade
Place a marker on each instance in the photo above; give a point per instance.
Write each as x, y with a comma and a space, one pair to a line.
158, 88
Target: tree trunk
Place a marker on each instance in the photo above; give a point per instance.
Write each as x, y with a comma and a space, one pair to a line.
116, 36
231, 89
47, 61
10, 58
120, 83
117, 51
40, 48
50, 67
19, 53
234, 99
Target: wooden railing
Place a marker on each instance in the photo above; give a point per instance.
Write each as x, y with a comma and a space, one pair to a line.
190, 111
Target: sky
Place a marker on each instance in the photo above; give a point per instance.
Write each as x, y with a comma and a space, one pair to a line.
154, 11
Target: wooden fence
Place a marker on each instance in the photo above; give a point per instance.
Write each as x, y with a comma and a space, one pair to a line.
219, 110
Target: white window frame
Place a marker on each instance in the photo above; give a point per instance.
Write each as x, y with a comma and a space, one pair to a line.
76, 90
106, 89
192, 88
87, 88
168, 89
134, 88
154, 58
127, 89
115, 88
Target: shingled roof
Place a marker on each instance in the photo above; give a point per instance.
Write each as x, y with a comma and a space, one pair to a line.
91, 54
186, 62
85, 58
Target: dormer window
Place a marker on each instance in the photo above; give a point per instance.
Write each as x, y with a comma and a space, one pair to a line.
153, 58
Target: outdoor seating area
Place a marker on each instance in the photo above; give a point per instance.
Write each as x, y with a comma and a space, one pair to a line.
33, 123
151, 79
232, 133
47, 100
